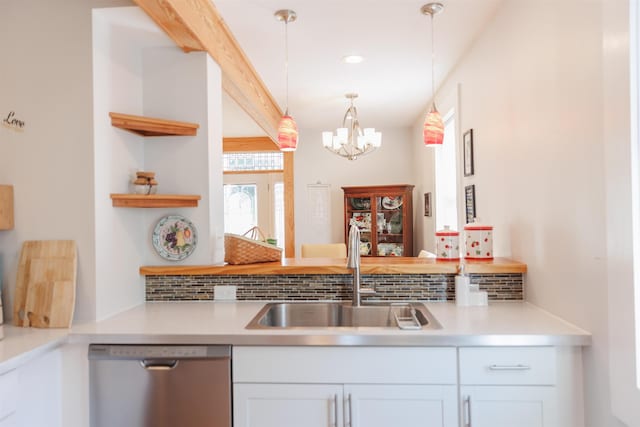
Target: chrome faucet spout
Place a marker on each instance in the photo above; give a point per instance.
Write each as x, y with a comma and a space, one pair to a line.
353, 251
353, 262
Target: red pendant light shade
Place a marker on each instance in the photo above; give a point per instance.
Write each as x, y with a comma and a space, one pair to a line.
287, 134
433, 130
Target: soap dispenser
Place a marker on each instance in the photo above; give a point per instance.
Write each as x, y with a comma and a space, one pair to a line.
463, 287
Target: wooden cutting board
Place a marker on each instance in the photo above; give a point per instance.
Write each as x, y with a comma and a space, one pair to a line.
46, 282
51, 292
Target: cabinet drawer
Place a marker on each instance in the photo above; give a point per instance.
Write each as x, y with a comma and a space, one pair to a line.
8, 393
511, 365
370, 365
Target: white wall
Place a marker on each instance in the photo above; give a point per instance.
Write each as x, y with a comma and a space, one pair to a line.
117, 80
388, 165
531, 89
45, 77
63, 177
178, 86
139, 70
619, 156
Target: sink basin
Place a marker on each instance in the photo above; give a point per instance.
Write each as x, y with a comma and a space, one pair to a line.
343, 315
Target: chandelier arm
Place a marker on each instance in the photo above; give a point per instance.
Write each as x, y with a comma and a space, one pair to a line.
347, 114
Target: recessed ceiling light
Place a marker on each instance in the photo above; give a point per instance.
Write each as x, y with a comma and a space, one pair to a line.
352, 59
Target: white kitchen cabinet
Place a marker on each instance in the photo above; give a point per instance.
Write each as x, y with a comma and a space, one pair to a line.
504, 387
282, 405
353, 405
508, 406
39, 396
30, 393
9, 421
400, 405
8, 397
408, 386
345, 386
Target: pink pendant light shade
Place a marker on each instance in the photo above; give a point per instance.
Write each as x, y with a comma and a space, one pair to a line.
433, 130
287, 134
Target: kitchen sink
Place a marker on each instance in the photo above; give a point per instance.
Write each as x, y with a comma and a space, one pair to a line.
287, 315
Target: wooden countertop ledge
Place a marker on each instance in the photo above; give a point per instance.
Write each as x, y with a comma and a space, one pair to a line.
396, 265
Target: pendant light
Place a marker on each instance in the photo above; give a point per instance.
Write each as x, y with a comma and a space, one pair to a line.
287, 128
433, 130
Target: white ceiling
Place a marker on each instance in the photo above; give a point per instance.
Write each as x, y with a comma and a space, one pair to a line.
393, 82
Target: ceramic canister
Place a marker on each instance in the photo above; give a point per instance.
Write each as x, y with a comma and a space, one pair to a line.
478, 241
447, 244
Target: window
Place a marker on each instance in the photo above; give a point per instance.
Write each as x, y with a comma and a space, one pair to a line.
446, 206
278, 205
259, 161
254, 194
240, 208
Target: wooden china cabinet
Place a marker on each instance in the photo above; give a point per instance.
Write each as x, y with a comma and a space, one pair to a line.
384, 215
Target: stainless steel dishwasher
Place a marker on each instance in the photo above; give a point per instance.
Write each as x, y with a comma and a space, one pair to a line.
160, 385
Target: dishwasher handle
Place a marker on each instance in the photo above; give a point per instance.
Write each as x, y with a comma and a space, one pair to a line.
159, 364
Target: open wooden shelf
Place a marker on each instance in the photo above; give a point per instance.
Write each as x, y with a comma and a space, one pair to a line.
147, 126
154, 201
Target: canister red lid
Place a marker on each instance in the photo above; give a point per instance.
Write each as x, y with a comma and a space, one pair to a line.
447, 232
477, 226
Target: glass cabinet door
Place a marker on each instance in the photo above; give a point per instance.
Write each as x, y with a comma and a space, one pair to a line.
384, 216
389, 226
359, 212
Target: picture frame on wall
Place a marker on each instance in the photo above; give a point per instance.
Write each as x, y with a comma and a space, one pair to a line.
470, 202
467, 152
427, 204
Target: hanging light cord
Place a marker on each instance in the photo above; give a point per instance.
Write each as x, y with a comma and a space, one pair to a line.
286, 63
433, 59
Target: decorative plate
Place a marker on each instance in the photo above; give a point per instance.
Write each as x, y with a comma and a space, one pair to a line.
362, 220
360, 203
395, 223
391, 202
174, 237
390, 249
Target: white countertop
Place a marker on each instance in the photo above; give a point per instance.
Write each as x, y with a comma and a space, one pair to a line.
22, 344
501, 323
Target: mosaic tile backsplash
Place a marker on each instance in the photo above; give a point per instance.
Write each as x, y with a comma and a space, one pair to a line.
315, 287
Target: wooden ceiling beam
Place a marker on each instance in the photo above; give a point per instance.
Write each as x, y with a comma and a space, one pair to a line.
197, 25
248, 144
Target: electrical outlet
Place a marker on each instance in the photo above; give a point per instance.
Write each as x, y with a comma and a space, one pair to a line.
224, 293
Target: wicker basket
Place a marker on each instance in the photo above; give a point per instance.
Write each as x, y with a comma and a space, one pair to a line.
249, 250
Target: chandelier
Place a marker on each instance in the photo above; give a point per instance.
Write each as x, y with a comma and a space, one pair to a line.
350, 140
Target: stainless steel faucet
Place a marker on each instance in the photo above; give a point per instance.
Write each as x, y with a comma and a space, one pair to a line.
353, 262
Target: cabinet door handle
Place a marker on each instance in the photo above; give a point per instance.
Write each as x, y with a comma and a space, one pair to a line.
467, 411
509, 367
349, 412
334, 421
